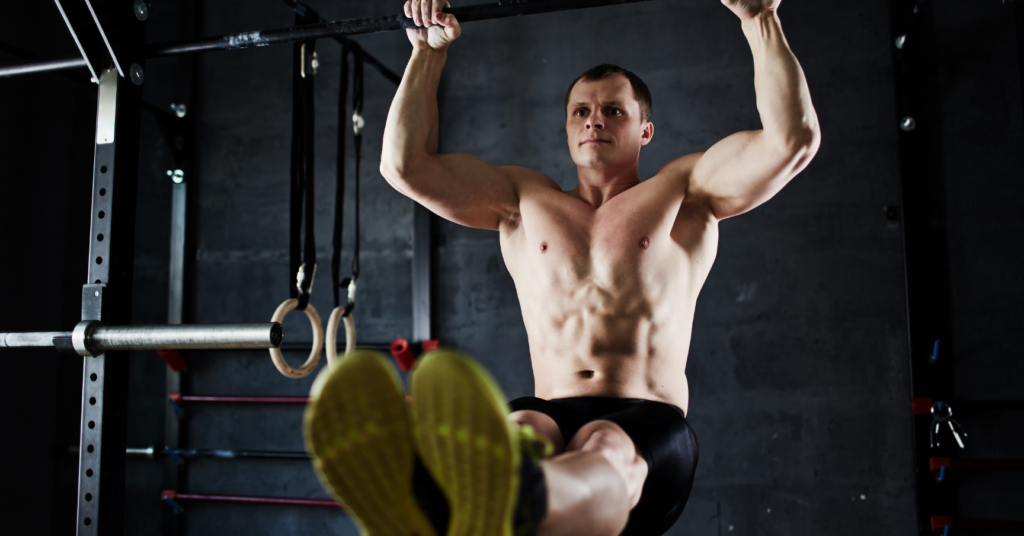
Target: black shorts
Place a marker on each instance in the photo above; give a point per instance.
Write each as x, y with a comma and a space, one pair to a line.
661, 433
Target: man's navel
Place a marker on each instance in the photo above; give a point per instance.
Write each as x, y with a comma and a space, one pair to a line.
543, 247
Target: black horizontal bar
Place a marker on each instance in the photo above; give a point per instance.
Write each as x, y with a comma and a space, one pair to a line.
331, 29
988, 464
305, 346
230, 454
43, 66
988, 524
986, 405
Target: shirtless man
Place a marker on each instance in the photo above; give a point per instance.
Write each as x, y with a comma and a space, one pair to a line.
607, 276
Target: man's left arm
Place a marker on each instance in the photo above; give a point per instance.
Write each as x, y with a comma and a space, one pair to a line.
746, 169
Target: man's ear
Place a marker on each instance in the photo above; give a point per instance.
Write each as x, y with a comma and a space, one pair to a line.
648, 134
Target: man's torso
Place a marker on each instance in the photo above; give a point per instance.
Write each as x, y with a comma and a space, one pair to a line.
608, 294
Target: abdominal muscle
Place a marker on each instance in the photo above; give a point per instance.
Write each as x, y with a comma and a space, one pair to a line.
614, 346
605, 318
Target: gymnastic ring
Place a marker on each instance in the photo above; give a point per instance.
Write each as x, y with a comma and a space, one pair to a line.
337, 315
318, 340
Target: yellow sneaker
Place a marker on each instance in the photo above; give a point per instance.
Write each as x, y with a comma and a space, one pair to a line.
357, 430
466, 442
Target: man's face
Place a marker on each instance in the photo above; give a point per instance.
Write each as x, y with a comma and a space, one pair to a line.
603, 123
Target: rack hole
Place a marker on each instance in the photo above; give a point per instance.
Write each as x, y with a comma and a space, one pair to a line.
88, 497
92, 401
98, 281
92, 424
90, 448
103, 192
99, 237
93, 376
88, 472
88, 521
99, 260
102, 214
103, 169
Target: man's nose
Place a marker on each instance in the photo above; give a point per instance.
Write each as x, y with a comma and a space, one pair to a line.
595, 122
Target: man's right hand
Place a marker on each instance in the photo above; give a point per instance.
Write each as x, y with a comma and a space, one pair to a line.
437, 29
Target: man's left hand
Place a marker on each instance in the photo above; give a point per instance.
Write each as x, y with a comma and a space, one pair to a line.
748, 9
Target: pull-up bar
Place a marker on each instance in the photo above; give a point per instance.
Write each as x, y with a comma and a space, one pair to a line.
260, 38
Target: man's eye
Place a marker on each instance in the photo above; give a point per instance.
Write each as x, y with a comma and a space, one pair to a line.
614, 111
579, 113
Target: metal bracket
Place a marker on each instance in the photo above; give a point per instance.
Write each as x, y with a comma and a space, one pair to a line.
421, 262
85, 29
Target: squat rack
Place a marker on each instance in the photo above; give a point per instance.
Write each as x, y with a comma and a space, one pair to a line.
111, 42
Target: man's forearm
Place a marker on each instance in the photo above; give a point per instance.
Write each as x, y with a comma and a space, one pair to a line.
783, 98
411, 130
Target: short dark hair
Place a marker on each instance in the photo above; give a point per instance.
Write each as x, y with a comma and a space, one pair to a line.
606, 70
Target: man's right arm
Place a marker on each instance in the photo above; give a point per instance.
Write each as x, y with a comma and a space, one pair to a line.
458, 187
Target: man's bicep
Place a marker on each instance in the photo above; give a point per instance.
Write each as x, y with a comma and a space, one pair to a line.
464, 189
743, 171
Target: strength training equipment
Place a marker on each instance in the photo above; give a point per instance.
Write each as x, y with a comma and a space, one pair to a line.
327, 29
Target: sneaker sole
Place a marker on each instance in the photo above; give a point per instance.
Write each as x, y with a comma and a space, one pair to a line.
466, 442
357, 430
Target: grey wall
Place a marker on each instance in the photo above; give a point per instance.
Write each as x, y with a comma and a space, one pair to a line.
981, 152
798, 365
798, 361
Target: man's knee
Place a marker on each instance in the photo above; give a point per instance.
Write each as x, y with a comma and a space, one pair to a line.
612, 442
607, 438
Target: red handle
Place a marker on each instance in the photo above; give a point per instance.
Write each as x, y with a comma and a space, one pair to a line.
402, 351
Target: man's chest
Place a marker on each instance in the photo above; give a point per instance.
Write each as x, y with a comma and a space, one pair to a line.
565, 238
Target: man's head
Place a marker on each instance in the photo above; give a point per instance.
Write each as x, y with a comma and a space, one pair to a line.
641, 94
608, 117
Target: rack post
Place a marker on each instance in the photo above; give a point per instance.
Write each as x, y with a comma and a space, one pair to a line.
107, 295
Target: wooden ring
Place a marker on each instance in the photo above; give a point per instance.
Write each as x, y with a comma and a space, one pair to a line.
318, 340
332, 334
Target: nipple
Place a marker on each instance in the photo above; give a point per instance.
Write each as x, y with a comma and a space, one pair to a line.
645, 243
543, 247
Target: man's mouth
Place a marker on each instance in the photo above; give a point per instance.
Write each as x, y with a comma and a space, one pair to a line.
593, 141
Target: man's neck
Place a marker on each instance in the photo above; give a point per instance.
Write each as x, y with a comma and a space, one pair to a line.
598, 186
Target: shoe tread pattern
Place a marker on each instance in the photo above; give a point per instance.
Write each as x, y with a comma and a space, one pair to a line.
466, 442
358, 432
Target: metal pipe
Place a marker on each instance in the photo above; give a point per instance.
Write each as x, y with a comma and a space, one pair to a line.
367, 25
187, 337
242, 399
15, 340
93, 338
307, 346
42, 66
231, 454
323, 503
261, 38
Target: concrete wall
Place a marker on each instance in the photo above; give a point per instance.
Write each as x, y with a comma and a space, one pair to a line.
981, 154
798, 365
